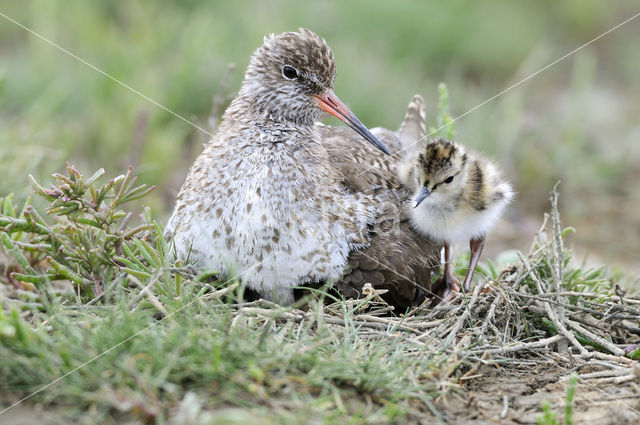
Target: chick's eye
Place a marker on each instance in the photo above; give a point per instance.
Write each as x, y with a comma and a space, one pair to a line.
289, 72
449, 180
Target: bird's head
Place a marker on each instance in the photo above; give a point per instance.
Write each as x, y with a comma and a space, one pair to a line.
439, 171
290, 78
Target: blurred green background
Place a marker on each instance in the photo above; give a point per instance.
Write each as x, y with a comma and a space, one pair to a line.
576, 122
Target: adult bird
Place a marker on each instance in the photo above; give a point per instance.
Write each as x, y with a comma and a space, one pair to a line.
282, 202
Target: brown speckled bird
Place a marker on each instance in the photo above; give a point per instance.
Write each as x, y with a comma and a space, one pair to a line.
285, 202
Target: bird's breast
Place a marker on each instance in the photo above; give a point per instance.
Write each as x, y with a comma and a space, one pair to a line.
275, 209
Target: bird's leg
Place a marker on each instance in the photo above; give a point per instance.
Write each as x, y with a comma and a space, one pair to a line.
450, 280
475, 245
450, 285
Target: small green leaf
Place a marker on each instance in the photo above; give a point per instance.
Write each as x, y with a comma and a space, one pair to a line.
635, 354
136, 272
568, 408
35, 279
16, 253
492, 268
95, 176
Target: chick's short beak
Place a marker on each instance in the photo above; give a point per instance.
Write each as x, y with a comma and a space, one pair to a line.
330, 103
423, 194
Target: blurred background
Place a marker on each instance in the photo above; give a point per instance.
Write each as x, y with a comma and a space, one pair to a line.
576, 122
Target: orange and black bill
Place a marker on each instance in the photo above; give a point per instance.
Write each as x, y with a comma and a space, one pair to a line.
330, 103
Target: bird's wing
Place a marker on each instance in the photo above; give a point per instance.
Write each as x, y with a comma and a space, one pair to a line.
360, 166
397, 258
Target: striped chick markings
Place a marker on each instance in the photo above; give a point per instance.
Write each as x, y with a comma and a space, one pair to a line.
458, 196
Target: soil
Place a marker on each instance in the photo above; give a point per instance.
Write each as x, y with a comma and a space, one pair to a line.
527, 386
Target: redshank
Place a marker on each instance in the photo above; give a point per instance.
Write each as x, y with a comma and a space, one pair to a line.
287, 202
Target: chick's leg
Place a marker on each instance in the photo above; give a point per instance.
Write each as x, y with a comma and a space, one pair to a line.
450, 280
448, 286
475, 245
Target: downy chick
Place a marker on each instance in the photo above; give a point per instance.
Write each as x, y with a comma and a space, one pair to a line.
458, 196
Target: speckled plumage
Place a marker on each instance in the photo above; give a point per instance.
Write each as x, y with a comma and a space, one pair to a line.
273, 197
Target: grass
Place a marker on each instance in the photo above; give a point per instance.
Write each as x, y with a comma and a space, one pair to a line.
550, 417
134, 335
282, 371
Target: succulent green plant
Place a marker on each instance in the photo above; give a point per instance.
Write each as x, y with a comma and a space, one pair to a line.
91, 239
445, 127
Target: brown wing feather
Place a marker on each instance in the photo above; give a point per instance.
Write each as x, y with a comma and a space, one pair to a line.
397, 258
362, 166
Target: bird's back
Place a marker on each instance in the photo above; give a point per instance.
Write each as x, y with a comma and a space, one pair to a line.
397, 258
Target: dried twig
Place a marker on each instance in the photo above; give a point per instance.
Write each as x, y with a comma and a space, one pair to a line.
146, 293
552, 314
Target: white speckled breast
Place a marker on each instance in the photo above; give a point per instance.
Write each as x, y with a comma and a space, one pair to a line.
271, 211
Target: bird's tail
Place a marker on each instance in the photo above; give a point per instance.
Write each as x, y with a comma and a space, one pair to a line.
414, 126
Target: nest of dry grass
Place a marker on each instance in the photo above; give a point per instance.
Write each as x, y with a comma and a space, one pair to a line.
538, 308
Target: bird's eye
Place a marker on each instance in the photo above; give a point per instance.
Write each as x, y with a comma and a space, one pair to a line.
449, 180
289, 72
